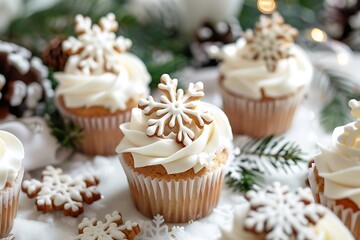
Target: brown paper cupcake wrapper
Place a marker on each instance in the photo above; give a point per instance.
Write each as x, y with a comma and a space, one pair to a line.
260, 118
348, 216
100, 135
178, 201
9, 198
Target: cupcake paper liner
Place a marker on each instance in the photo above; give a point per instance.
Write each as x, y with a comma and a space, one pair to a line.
348, 216
260, 118
9, 198
178, 201
100, 135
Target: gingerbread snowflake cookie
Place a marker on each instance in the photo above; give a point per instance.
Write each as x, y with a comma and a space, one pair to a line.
61, 192
114, 227
96, 47
270, 41
177, 112
278, 213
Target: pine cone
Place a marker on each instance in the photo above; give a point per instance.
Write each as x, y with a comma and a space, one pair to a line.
342, 20
53, 55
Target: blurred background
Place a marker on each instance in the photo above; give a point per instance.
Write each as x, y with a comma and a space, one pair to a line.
170, 34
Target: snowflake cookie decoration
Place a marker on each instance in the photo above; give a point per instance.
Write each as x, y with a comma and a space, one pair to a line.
114, 227
270, 41
281, 214
177, 111
58, 191
96, 47
351, 135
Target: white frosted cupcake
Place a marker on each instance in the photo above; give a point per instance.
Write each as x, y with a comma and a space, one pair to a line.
276, 213
11, 174
100, 84
334, 175
174, 152
263, 78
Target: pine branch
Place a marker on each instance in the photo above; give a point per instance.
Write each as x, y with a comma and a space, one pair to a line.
257, 156
341, 87
67, 133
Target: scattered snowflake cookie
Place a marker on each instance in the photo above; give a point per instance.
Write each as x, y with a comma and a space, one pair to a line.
114, 227
177, 111
276, 213
61, 192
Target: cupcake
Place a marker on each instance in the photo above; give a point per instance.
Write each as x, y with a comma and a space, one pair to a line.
24, 86
174, 152
263, 77
277, 213
11, 174
100, 84
333, 175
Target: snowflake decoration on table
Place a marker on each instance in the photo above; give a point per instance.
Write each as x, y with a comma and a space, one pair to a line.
157, 230
58, 191
280, 214
113, 228
176, 110
270, 40
351, 134
96, 48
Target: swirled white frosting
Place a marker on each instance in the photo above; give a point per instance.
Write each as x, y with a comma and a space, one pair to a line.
149, 151
246, 77
330, 226
11, 157
339, 165
107, 90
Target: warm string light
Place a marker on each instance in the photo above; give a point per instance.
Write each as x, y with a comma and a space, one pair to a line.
343, 53
266, 6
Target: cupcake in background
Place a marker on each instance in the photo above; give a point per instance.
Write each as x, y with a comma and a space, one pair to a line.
100, 84
334, 174
174, 152
11, 175
276, 212
263, 78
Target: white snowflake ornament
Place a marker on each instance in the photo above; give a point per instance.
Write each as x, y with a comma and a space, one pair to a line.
270, 41
177, 111
114, 228
281, 214
58, 191
96, 47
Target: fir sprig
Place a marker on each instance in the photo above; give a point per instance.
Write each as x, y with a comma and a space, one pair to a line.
341, 88
67, 133
257, 156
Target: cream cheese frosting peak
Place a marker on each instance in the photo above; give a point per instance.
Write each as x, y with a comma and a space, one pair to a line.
11, 157
339, 163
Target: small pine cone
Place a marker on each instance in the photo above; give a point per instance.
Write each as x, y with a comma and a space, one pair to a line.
53, 55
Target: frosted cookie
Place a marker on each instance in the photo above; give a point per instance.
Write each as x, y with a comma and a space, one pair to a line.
277, 213
60, 192
114, 227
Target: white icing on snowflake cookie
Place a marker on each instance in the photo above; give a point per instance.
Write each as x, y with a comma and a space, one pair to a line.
351, 135
270, 41
96, 48
58, 191
177, 111
114, 227
281, 214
